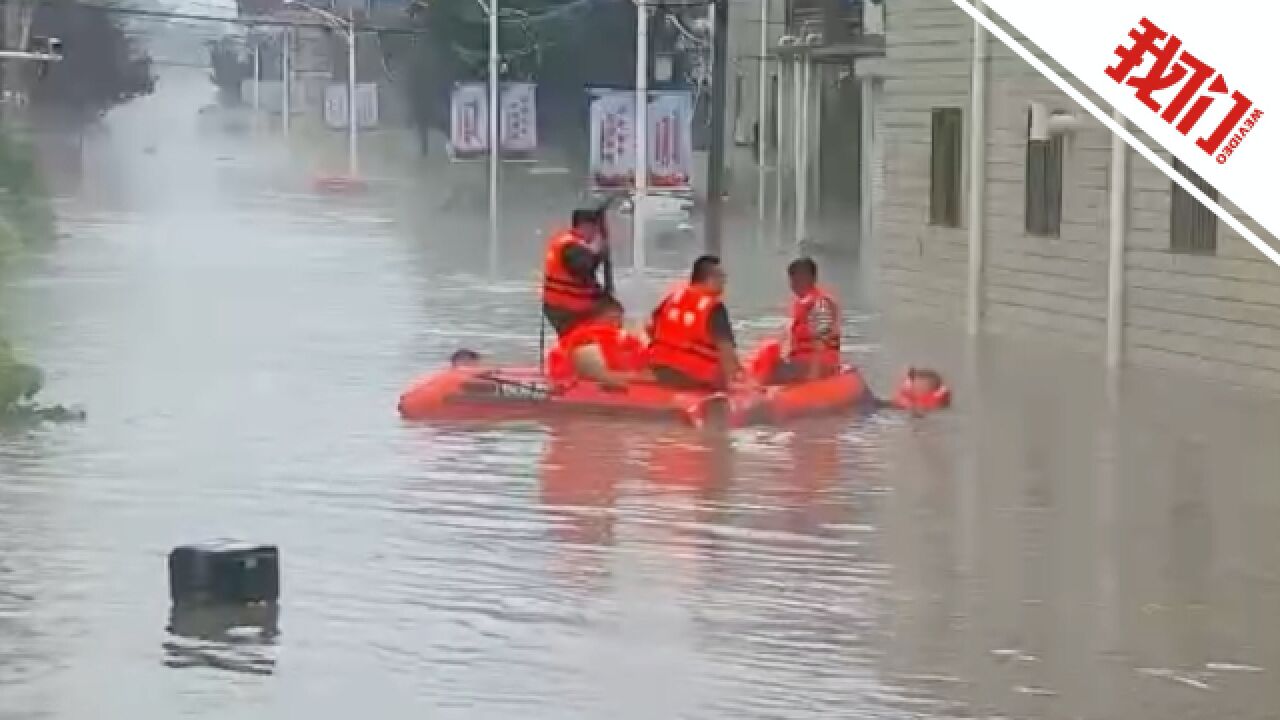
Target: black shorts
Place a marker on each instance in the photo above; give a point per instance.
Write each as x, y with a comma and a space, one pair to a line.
562, 321
672, 378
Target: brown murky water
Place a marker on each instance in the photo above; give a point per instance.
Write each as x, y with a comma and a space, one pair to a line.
1042, 551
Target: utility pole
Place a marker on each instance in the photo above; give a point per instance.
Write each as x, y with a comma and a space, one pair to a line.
495, 136
257, 76
640, 201
719, 101
285, 82
353, 163
762, 119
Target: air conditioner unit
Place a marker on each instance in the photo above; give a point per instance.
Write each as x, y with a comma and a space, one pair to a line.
1043, 124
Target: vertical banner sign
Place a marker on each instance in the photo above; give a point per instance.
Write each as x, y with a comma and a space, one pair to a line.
469, 120
519, 129
612, 156
366, 106
335, 106
670, 145
670, 139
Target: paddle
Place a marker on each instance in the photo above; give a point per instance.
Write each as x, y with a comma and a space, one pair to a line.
542, 344
607, 260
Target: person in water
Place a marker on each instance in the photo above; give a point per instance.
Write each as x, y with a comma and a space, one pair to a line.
570, 286
692, 345
463, 358
599, 349
922, 391
813, 336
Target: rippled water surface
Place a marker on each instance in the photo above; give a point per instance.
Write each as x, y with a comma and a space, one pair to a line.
1042, 551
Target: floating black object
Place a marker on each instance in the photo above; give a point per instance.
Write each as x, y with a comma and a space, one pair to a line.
224, 572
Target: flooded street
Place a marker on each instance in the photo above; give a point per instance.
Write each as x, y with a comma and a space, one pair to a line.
1044, 550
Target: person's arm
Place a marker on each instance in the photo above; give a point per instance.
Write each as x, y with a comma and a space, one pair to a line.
822, 321
581, 263
606, 256
722, 335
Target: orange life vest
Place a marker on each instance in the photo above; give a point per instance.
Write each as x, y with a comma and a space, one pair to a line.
804, 344
622, 351
682, 337
908, 398
561, 288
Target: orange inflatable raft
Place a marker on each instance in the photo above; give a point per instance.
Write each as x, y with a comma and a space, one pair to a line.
472, 393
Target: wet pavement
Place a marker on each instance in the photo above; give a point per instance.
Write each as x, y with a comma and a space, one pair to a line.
1048, 549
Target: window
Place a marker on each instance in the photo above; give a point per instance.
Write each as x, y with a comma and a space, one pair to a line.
945, 166
1193, 228
1044, 187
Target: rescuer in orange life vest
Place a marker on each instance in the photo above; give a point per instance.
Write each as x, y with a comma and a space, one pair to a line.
813, 337
692, 345
600, 349
570, 288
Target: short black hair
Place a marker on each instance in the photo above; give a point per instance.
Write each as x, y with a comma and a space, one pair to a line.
702, 268
608, 303
583, 215
464, 355
804, 265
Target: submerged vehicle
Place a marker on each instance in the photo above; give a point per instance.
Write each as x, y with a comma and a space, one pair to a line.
477, 393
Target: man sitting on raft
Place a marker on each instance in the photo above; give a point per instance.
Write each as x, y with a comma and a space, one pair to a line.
692, 347
813, 336
600, 349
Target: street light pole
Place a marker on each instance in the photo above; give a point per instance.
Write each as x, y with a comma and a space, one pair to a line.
348, 27
719, 100
762, 120
285, 81
494, 136
257, 75
352, 149
639, 203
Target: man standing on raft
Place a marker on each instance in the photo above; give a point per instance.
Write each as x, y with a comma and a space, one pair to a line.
570, 288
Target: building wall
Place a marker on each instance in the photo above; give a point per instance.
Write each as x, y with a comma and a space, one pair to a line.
926, 65
1214, 315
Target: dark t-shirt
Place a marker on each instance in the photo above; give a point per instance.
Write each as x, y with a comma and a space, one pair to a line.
720, 327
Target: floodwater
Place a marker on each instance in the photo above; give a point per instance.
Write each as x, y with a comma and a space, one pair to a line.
1048, 549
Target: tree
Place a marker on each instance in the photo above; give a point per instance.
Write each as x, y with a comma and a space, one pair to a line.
563, 45
230, 69
100, 69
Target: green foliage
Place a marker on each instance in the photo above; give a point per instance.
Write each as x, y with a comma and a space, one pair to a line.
563, 45
101, 66
26, 218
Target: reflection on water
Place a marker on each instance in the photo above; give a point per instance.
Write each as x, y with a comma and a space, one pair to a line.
1042, 551
236, 639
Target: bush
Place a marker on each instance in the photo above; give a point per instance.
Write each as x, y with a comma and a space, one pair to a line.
26, 218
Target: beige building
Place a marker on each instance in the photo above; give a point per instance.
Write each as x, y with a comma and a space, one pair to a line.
1183, 291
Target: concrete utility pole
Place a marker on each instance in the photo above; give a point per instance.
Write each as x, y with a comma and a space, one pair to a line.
762, 119
347, 27
285, 81
719, 101
640, 200
495, 136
